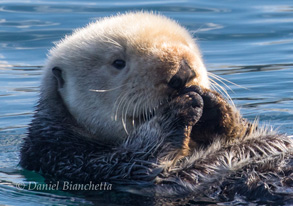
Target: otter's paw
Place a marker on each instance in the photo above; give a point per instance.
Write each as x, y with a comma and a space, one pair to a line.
212, 109
186, 108
213, 104
219, 118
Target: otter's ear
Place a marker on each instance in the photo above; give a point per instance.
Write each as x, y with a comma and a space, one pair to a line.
57, 72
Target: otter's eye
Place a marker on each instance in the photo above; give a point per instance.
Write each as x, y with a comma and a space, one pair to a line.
119, 64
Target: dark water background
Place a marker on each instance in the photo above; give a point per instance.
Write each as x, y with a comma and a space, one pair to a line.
247, 42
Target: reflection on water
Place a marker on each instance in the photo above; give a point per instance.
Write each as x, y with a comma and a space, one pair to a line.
249, 43
227, 69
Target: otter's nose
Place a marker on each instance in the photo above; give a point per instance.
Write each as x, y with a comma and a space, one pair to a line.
182, 77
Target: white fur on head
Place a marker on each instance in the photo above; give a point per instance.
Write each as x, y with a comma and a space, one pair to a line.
106, 101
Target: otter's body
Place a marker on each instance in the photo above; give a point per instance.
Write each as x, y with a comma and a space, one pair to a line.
131, 104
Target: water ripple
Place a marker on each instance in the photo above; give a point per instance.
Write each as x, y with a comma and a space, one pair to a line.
249, 43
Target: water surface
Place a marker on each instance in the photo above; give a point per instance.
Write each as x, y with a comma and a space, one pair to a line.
247, 42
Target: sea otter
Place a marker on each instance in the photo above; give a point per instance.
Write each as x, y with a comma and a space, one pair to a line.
127, 100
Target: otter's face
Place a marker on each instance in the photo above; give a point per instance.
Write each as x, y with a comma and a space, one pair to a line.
114, 74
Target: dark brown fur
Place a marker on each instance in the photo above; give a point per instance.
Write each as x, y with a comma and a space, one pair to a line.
219, 120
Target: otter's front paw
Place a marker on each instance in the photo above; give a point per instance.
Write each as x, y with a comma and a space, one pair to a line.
181, 114
186, 108
212, 113
219, 119
212, 105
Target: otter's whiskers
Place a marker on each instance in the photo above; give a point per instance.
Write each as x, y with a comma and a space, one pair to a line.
107, 90
221, 89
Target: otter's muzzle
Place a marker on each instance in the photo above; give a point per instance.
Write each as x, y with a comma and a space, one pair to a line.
182, 77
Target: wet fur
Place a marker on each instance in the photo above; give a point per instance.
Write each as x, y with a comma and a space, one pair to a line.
256, 165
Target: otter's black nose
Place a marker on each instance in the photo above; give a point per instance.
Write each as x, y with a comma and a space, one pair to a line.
182, 77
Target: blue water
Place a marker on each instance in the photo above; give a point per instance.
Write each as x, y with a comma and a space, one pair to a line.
247, 42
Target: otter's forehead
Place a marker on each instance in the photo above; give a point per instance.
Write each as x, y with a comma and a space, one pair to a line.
137, 31
143, 29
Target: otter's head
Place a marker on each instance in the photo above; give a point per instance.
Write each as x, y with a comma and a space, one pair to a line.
116, 72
